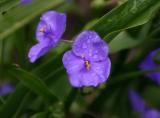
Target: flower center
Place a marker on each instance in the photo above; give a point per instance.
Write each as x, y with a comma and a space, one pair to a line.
87, 64
41, 29
47, 32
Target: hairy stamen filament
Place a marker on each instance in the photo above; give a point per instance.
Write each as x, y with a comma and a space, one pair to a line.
82, 56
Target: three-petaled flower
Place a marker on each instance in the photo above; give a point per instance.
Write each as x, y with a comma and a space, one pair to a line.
87, 64
49, 31
150, 62
139, 106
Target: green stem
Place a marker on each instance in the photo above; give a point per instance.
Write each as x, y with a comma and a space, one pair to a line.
67, 41
70, 99
21, 106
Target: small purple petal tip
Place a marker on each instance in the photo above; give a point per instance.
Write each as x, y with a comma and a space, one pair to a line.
38, 50
25, 2
6, 88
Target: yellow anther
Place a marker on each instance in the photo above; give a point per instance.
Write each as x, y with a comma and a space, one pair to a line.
87, 64
41, 30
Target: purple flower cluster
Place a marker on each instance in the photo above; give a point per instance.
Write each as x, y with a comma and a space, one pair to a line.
139, 106
87, 64
150, 63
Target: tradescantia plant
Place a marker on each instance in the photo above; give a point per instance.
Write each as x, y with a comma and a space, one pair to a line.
64, 58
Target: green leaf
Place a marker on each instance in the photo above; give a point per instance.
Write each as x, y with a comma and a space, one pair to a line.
18, 17
49, 68
14, 101
90, 24
129, 75
156, 58
8, 5
70, 99
122, 41
57, 88
1, 100
129, 14
47, 71
39, 115
150, 95
34, 83
24, 102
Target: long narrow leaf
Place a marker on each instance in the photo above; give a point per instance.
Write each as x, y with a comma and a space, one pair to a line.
130, 14
34, 83
20, 16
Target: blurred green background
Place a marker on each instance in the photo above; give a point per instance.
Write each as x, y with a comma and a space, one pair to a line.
130, 27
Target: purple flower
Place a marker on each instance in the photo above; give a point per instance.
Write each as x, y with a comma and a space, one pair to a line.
150, 63
137, 102
138, 105
6, 88
49, 31
25, 2
151, 113
87, 64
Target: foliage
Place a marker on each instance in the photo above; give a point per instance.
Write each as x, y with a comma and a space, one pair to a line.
42, 89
